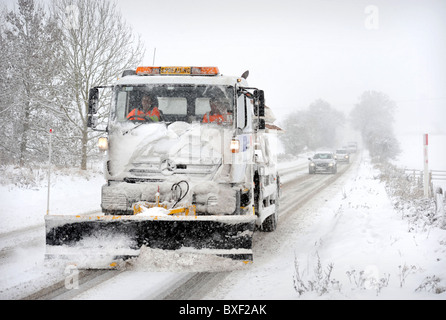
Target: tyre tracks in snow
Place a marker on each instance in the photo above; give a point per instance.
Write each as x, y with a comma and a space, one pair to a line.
29, 237
68, 290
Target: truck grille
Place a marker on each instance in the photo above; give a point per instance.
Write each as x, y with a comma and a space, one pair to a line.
112, 201
189, 169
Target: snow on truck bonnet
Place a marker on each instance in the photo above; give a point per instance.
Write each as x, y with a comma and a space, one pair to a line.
189, 164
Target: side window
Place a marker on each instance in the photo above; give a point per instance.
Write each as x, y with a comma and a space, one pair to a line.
241, 111
121, 104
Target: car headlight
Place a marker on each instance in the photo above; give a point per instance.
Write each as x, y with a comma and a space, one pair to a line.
312, 164
331, 164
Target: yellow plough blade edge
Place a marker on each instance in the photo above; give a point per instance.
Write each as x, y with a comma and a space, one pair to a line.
108, 239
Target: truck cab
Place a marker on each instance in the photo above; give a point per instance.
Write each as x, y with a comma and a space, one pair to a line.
190, 167
224, 167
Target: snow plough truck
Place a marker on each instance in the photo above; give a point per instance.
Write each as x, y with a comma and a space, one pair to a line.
196, 173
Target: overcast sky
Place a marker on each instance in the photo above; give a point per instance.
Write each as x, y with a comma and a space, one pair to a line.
302, 50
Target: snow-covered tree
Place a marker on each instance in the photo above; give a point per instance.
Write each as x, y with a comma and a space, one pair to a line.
5, 94
296, 134
97, 47
29, 41
325, 122
373, 117
312, 128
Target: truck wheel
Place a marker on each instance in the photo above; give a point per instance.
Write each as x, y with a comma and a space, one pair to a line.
270, 223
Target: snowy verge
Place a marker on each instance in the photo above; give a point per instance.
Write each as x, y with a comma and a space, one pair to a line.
366, 249
24, 204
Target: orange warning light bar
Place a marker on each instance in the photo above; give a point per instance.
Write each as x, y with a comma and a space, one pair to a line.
147, 70
208, 71
198, 71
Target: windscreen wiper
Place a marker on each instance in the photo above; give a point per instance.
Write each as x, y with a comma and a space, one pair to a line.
139, 124
131, 129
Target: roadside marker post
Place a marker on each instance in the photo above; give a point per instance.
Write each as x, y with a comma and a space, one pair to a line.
49, 171
426, 165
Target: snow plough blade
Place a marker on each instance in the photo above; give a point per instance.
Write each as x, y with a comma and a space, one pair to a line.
105, 241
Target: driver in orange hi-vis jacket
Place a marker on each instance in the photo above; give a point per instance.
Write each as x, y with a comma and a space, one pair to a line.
216, 115
149, 112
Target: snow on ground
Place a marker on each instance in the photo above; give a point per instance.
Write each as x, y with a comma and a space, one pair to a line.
25, 205
352, 228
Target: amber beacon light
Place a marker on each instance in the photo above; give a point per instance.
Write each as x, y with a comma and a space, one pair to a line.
190, 71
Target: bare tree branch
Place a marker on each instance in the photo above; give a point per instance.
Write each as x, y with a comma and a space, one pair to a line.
98, 46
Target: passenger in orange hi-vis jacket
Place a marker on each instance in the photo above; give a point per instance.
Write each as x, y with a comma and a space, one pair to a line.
149, 112
217, 113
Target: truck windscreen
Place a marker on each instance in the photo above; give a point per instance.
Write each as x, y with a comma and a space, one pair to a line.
189, 103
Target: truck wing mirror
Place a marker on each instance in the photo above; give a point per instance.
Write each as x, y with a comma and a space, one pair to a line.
92, 121
93, 108
93, 99
260, 106
261, 103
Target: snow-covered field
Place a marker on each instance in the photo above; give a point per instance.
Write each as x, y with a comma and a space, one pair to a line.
352, 244
412, 155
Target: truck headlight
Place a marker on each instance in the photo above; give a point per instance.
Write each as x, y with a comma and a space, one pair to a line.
103, 144
235, 146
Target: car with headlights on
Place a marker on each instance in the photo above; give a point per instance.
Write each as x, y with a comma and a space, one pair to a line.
323, 162
342, 155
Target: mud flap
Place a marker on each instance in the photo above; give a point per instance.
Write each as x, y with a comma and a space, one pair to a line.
105, 241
